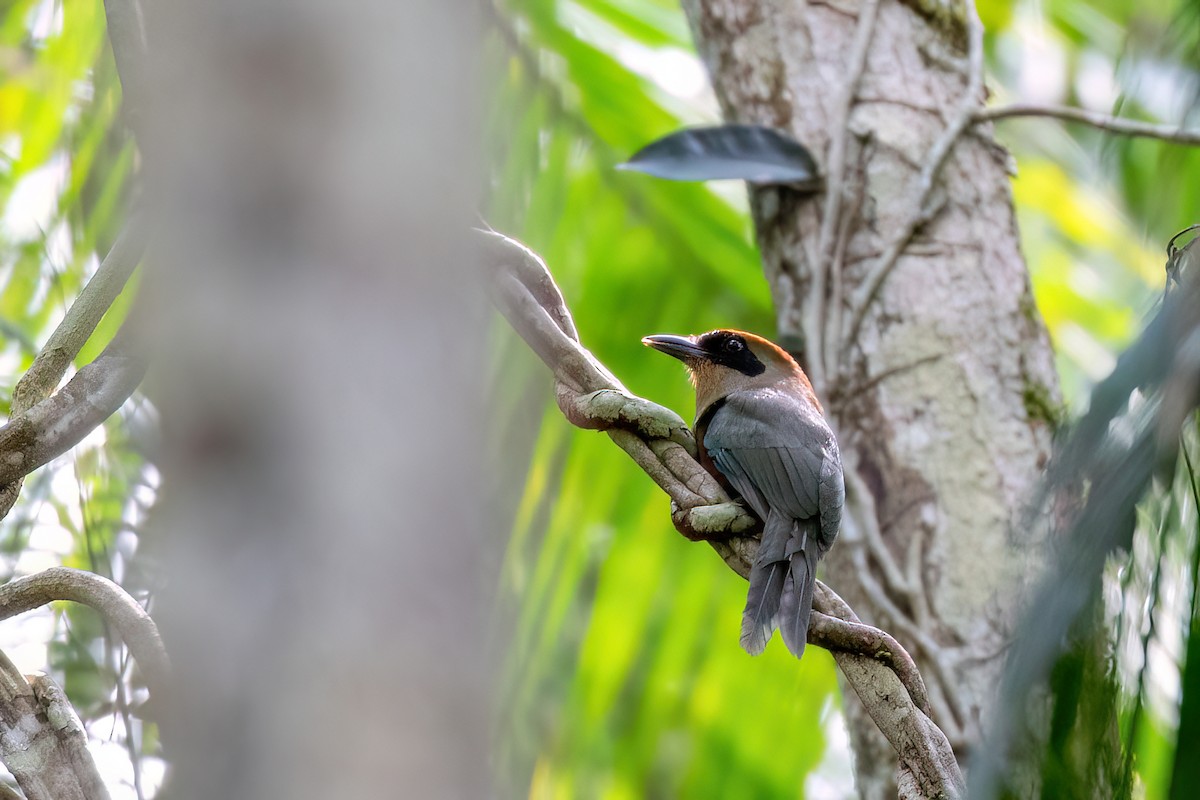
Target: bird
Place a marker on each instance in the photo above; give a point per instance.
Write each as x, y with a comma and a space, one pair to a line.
762, 433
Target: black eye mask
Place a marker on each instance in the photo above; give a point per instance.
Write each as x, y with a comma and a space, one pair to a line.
717, 346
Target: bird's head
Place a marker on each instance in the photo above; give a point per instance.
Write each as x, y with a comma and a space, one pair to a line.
724, 361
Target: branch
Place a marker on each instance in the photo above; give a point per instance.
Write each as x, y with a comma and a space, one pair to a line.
45, 764
882, 673
1119, 466
57, 424
1105, 122
81, 319
42, 427
127, 35
928, 767
838, 629
118, 608
69, 730
591, 397
31, 439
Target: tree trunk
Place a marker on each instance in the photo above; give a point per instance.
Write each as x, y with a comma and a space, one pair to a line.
318, 316
944, 396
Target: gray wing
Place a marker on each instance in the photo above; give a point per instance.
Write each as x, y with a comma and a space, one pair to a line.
780, 454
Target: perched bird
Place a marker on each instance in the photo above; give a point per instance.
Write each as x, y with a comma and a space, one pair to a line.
761, 433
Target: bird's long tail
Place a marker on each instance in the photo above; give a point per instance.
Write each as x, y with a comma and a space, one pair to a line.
795, 605
766, 583
781, 585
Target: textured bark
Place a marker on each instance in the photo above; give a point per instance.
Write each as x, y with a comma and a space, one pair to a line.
42, 742
943, 397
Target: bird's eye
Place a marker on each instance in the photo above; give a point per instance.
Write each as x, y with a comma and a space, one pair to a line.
734, 346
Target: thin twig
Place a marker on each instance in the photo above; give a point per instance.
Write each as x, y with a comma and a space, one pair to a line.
934, 652
832, 328
51, 364
922, 210
855, 390
81, 319
863, 502
835, 189
131, 743
1105, 122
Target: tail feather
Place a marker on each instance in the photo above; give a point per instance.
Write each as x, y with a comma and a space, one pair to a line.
762, 605
795, 607
766, 584
781, 585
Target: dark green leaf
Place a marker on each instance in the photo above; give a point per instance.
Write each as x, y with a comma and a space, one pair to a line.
753, 153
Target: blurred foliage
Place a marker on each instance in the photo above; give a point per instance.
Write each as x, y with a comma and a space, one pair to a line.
1123, 499
624, 678
66, 162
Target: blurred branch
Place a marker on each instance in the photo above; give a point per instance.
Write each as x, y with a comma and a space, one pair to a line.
118, 608
81, 319
882, 673
127, 35
57, 424
42, 741
1186, 771
1105, 122
42, 427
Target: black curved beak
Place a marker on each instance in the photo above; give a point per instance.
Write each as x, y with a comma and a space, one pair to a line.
682, 347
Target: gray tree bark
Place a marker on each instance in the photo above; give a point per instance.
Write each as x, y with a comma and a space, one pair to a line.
903, 289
